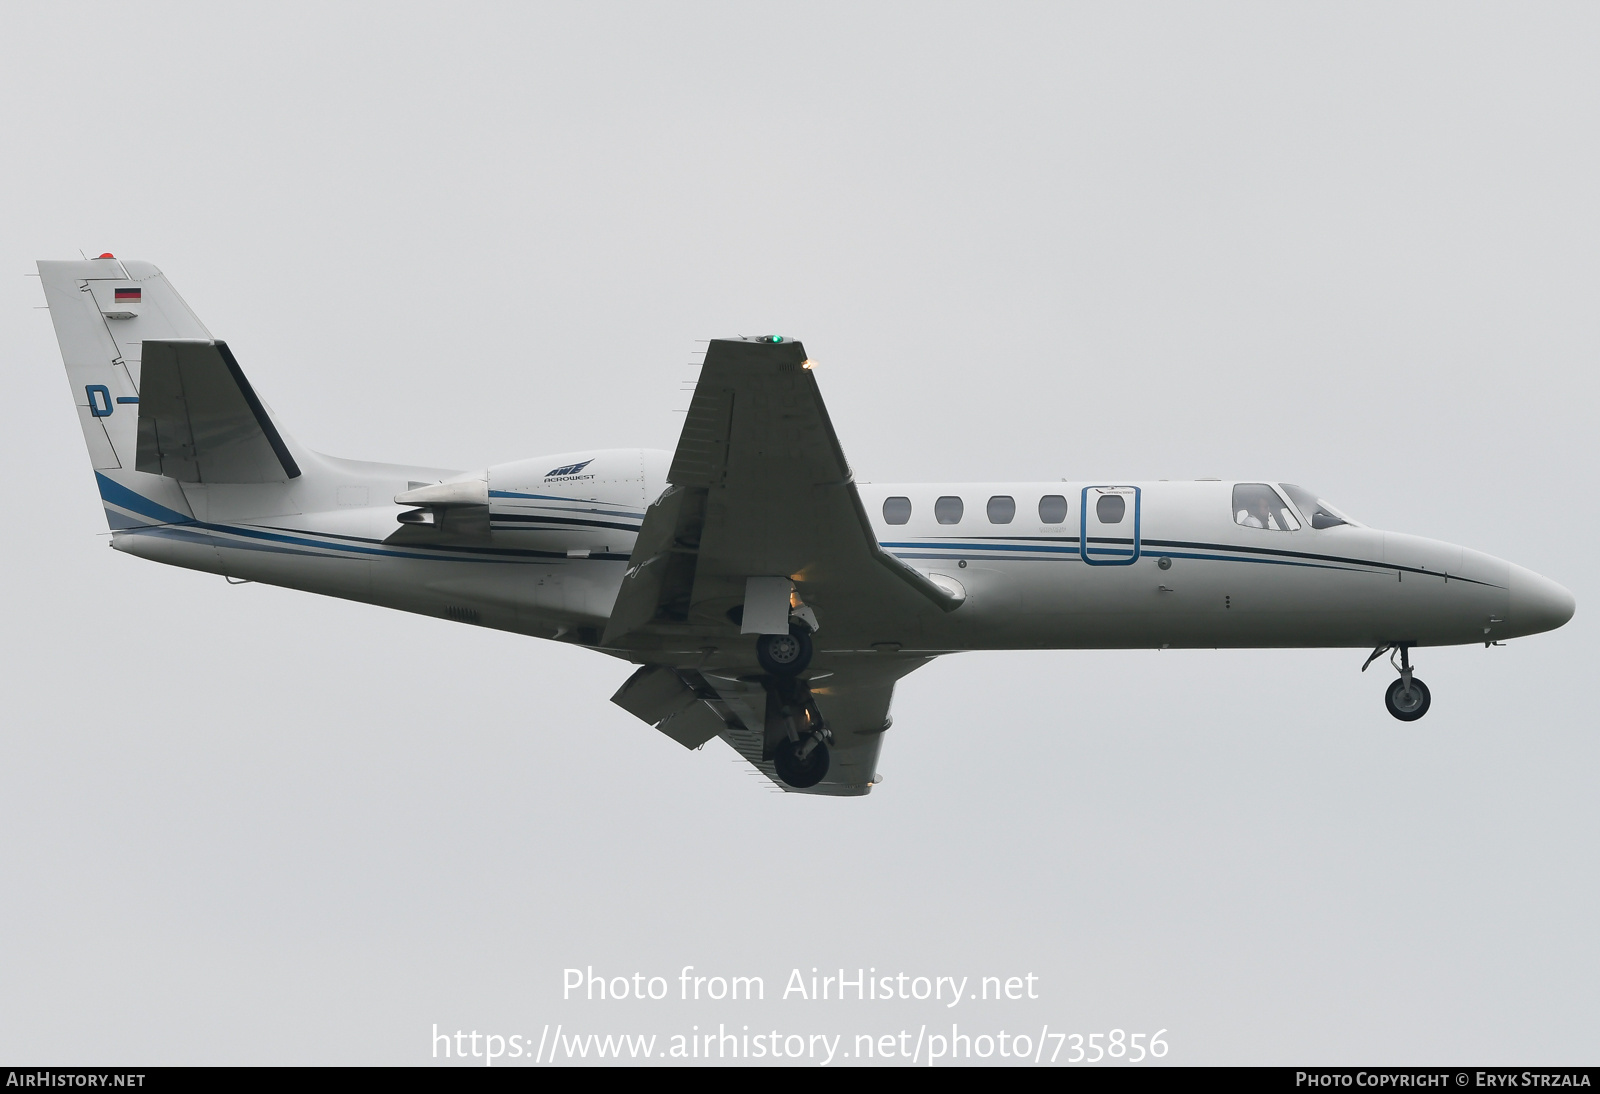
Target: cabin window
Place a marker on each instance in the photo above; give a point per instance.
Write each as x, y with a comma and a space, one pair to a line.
1002, 509
1313, 509
1052, 509
948, 509
1257, 505
1110, 509
896, 510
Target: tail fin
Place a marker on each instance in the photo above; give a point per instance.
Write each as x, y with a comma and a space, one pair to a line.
160, 401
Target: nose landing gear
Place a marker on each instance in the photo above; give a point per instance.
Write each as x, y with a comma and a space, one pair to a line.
1407, 704
1407, 698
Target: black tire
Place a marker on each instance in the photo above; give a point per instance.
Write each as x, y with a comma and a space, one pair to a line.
1407, 707
785, 655
800, 773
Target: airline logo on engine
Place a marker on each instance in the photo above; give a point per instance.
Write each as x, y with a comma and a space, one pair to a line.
569, 473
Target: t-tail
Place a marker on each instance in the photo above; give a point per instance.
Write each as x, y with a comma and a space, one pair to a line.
163, 405
194, 470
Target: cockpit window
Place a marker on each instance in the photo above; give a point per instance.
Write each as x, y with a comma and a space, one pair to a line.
1257, 505
1316, 511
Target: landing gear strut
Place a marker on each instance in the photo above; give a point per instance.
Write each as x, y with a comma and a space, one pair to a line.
796, 739
1407, 698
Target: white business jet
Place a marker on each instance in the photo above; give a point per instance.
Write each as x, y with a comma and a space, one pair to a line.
766, 597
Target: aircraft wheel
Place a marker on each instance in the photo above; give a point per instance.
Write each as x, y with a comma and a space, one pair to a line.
785, 654
1405, 705
800, 773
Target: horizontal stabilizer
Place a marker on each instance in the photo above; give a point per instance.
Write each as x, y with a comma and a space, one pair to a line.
200, 421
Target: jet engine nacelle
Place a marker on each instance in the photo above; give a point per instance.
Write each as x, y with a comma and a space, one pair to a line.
629, 478
580, 504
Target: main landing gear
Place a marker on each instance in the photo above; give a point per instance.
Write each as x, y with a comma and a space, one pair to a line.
801, 763
796, 739
1407, 698
785, 655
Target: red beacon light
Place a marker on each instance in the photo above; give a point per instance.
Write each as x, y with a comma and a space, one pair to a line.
108, 254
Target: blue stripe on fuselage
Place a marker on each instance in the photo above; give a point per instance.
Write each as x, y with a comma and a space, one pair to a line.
121, 496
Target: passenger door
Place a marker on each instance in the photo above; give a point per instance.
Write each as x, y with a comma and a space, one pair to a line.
1108, 525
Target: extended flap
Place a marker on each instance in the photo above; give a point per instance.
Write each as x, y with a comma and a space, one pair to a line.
658, 695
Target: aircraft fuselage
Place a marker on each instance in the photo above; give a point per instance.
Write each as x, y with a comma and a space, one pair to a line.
1037, 566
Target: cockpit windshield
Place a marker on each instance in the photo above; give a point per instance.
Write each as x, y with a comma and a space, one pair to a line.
1257, 505
1318, 513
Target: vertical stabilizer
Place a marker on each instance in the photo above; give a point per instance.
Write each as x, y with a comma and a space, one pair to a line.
164, 407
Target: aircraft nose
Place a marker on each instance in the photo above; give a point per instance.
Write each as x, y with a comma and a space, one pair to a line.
1537, 603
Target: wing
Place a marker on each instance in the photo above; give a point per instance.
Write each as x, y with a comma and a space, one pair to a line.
759, 489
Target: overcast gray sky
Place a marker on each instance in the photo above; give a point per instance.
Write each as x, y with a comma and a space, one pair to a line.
1352, 246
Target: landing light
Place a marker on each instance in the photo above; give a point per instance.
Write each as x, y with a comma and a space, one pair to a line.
808, 363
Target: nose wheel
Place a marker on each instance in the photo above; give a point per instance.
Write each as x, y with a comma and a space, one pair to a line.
1407, 698
1407, 703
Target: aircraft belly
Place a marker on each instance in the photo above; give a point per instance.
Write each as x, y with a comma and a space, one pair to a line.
349, 578
545, 599
1233, 602
173, 545
529, 597
1434, 609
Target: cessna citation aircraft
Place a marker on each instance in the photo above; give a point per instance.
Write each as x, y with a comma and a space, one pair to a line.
766, 597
